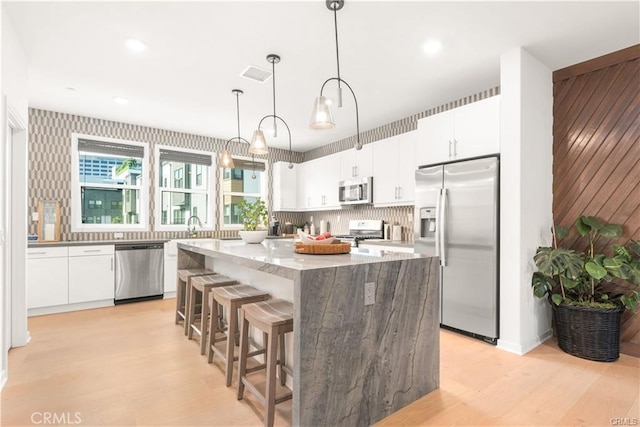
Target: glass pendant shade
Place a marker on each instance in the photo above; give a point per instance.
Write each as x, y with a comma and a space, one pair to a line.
258, 143
321, 117
226, 161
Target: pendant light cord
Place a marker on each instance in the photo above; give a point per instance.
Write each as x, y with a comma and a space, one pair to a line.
238, 112
273, 81
335, 26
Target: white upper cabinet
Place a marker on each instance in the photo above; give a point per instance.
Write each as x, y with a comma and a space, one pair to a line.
319, 186
356, 163
468, 131
394, 165
284, 187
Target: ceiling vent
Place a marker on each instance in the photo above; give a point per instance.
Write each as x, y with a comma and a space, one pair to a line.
256, 74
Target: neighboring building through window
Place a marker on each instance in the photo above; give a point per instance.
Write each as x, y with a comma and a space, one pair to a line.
185, 189
109, 190
247, 180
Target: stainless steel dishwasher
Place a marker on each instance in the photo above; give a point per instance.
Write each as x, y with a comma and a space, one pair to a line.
139, 272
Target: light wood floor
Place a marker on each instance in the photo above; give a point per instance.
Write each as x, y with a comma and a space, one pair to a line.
130, 365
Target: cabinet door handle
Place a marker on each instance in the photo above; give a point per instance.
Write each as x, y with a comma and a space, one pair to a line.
111, 263
399, 192
449, 148
357, 171
455, 148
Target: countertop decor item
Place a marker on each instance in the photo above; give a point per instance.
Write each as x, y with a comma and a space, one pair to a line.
253, 215
334, 248
321, 117
49, 221
586, 304
306, 238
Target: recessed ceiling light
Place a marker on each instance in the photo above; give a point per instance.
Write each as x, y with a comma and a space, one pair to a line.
71, 89
120, 100
432, 46
135, 45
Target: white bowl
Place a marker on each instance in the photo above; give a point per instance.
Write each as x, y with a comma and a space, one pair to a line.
304, 238
256, 236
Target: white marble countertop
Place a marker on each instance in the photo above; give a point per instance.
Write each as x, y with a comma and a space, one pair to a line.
279, 253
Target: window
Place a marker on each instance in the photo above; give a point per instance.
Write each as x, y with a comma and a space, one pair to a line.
185, 188
247, 180
109, 184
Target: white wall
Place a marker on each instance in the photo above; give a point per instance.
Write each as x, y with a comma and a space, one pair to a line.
14, 113
526, 188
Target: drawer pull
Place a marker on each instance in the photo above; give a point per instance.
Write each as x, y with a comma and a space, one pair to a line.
37, 253
92, 250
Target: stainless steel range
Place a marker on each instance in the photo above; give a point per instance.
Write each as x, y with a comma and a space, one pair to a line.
362, 230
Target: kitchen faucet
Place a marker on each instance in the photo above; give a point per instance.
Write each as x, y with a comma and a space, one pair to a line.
192, 229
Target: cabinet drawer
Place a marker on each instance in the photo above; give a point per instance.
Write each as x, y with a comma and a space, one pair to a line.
91, 250
55, 252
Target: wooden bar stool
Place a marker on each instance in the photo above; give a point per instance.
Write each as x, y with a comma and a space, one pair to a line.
201, 286
275, 318
231, 298
182, 296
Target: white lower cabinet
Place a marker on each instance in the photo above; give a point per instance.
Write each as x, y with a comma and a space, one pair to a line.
47, 277
170, 266
91, 273
68, 278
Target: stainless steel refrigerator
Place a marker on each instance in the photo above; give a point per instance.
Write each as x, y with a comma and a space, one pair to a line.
456, 218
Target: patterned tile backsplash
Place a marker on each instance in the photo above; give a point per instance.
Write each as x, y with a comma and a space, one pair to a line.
50, 168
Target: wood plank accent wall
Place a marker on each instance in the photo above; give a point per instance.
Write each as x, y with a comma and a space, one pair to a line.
596, 149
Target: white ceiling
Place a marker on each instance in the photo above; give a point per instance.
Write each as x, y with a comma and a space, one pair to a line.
196, 51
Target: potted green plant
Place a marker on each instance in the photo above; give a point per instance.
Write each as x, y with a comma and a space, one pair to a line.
587, 308
253, 215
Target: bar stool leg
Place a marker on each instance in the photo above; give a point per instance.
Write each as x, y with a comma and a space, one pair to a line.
192, 312
231, 340
213, 328
281, 360
244, 349
180, 305
204, 320
270, 389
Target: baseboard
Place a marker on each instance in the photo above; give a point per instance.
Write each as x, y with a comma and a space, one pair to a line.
3, 379
523, 348
169, 294
40, 311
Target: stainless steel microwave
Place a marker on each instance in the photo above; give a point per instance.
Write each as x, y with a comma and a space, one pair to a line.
356, 191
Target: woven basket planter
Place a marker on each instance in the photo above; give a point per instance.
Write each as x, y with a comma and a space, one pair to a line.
587, 332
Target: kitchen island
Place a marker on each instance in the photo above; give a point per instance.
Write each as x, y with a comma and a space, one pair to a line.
353, 364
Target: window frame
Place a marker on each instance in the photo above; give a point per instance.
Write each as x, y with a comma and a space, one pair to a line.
76, 186
264, 191
207, 223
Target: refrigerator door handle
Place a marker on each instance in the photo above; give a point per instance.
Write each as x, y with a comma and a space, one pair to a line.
443, 221
437, 233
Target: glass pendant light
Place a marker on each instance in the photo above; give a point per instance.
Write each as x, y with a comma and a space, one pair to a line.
258, 140
321, 117
258, 143
225, 159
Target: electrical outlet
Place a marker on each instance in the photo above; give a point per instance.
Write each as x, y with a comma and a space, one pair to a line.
118, 235
34, 216
338, 220
369, 293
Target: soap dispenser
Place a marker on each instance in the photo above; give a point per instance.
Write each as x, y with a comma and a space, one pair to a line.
312, 227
